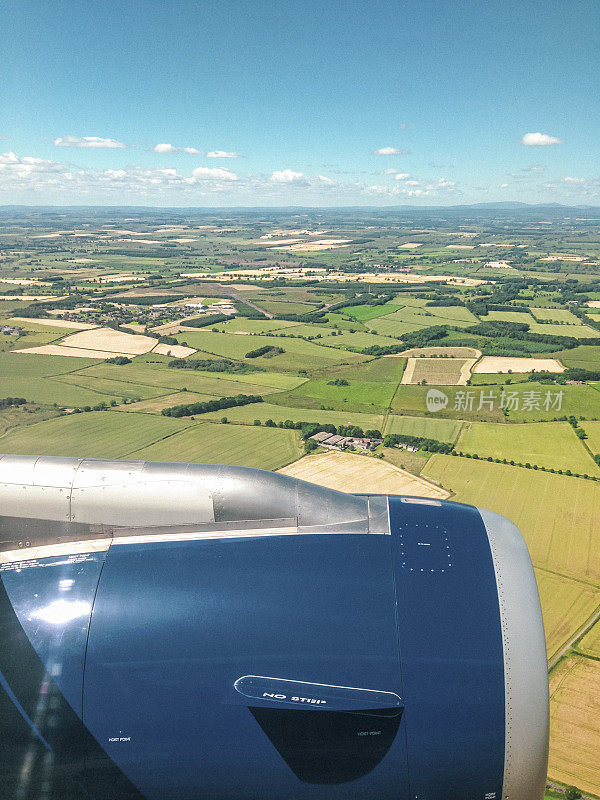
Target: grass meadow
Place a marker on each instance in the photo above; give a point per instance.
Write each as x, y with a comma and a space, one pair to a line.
546, 444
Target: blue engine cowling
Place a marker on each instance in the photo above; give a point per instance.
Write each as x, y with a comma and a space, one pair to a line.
174, 631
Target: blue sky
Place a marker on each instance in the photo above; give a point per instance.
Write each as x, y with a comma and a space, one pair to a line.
288, 103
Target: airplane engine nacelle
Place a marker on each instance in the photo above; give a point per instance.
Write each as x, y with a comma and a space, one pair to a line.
177, 631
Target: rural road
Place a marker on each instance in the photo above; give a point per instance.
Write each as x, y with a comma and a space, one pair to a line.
578, 633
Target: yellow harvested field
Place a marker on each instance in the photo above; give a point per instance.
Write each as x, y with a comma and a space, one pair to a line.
575, 723
497, 264
25, 282
274, 242
409, 245
593, 303
438, 371
590, 644
142, 241
567, 604
175, 350
321, 274
362, 475
562, 257
492, 365
109, 340
74, 352
30, 297
56, 323
319, 244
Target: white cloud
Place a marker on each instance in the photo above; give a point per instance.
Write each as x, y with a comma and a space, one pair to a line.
386, 151
12, 165
503, 185
213, 174
539, 140
415, 192
412, 183
88, 141
402, 176
389, 171
164, 147
574, 180
443, 183
287, 176
221, 154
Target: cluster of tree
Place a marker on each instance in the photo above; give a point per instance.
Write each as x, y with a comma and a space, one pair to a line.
497, 329
203, 322
580, 374
379, 350
10, 402
420, 442
41, 309
527, 465
189, 409
167, 340
248, 312
570, 374
309, 429
100, 407
314, 317
267, 351
338, 382
119, 360
425, 336
212, 365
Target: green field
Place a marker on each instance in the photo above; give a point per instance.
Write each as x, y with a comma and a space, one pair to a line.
251, 325
358, 393
452, 315
396, 324
25, 365
546, 444
97, 434
264, 411
444, 430
363, 313
527, 401
558, 516
267, 448
580, 401
157, 377
556, 315
593, 432
412, 400
575, 329
359, 339
586, 356
298, 353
